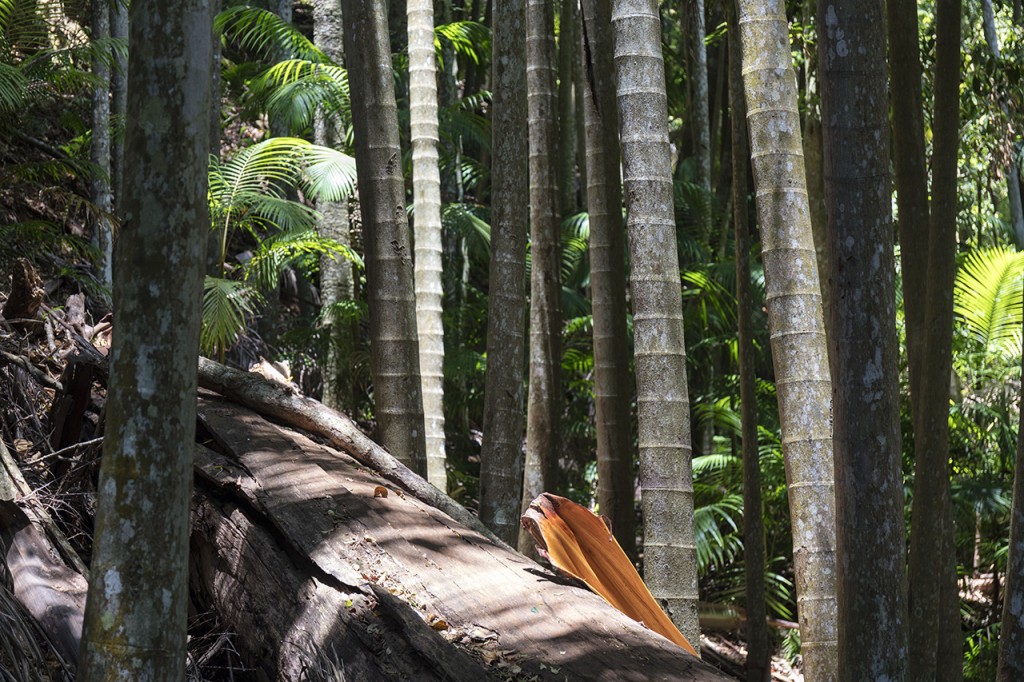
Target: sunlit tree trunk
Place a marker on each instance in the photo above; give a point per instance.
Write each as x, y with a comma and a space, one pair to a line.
935, 639
871, 584
1012, 177
697, 89
426, 187
758, 642
1011, 636
613, 388
336, 281
501, 461
394, 351
544, 400
794, 317
137, 605
663, 408
103, 232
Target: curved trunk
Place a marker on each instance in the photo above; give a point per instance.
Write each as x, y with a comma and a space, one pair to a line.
795, 320
663, 407
426, 191
389, 271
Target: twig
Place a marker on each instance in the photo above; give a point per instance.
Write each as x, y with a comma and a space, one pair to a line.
36, 373
71, 448
39, 144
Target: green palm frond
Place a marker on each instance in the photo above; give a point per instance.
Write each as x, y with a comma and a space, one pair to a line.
987, 298
13, 87
294, 90
470, 39
715, 548
266, 34
465, 220
277, 251
226, 306
328, 174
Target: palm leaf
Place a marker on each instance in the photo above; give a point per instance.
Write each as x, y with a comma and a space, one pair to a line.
267, 34
987, 298
470, 39
226, 305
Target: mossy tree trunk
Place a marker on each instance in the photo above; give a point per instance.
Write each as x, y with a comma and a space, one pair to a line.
137, 604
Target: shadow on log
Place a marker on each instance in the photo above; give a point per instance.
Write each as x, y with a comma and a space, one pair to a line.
306, 553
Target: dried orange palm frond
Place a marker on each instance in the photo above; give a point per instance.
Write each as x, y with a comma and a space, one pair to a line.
576, 541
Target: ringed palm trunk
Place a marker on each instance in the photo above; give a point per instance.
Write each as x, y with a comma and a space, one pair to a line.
613, 386
426, 189
872, 591
103, 236
394, 351
137, 605
501, 460
758, 639
568, 47
543, 407
697, 89
795, 321
663, 407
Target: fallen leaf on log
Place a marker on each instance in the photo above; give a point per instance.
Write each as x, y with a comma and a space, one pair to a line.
578, 542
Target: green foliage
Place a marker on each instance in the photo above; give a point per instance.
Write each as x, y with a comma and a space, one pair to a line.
987, 299
227, 305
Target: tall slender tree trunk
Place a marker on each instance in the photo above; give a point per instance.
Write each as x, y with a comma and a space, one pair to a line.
544, 400
697, 89
118, 101
872, 591
103, 231
336, 281
568, 48
613, 389
1012, 177
426, 188
501, 461
137, 606
394, 352
794, 317
663, 406
1011, 636
935, 639
758, 642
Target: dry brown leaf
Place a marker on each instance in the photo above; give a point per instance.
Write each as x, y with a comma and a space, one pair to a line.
576, 541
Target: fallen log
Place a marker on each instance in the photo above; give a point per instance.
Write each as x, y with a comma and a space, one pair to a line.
307, 554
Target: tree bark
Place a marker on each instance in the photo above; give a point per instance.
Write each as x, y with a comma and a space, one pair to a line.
398, 588
137, 606
336, 280
758, 667
613, 383
544, 399
697, 90
426, 187
103, 230
663, 406
398, 403
795, 320
935, 640
501, 459
871, 578
568, 48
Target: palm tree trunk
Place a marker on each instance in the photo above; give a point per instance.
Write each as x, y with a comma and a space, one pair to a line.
613, 389
758, 642
663, 406
426, 188
872, 591
389, 272
568, 48
795, 320
544, 404
137, 605
103, 232
501, 461
697, 89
